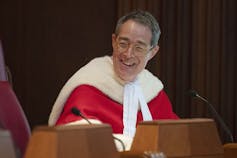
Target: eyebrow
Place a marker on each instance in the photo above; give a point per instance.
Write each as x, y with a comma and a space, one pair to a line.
127, 39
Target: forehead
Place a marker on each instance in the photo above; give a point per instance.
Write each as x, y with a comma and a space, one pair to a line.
135, 32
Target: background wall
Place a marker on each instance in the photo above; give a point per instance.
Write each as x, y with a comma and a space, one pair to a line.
46, 41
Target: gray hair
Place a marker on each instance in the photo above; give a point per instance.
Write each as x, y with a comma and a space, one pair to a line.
144, 18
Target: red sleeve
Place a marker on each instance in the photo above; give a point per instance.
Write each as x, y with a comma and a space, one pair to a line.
81, 98
93, 104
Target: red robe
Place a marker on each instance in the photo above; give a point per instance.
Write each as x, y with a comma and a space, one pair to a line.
96, 105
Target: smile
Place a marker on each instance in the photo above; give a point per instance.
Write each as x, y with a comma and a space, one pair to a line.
127, 63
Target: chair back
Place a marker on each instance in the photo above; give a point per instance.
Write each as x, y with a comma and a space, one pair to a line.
12, 117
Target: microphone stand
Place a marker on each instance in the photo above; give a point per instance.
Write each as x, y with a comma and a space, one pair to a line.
214, 113
230, 149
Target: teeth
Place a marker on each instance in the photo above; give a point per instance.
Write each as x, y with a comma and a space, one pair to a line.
127, 64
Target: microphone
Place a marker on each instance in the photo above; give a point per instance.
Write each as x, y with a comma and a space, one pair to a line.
77, 112
194, 94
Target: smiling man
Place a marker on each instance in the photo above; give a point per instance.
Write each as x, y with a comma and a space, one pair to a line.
117, 89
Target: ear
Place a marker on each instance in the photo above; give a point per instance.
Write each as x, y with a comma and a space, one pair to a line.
114, 41
153, 52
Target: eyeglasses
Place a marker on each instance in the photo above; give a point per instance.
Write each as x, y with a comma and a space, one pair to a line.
137, 48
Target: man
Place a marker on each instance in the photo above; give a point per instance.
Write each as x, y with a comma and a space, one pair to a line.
118, 90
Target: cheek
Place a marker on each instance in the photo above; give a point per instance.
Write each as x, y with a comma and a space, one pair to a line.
115, 53
143, 62
115, 60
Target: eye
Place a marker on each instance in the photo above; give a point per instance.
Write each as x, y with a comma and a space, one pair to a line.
123, 44
139, 48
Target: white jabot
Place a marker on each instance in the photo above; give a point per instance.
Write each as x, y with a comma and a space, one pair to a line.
133, 97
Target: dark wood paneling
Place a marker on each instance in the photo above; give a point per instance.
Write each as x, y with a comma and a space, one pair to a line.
46, 41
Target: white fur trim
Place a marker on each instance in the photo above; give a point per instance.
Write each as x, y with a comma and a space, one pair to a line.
100, 74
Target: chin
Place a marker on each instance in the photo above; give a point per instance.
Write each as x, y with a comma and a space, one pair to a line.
127, 78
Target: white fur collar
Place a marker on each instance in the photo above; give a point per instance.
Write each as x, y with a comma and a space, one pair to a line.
100, 74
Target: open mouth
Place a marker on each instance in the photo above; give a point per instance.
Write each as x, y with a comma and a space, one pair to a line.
128, 64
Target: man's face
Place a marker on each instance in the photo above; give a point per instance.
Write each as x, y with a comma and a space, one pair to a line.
132, 50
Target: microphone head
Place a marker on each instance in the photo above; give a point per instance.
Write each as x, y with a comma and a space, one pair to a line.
192, 93
75, 111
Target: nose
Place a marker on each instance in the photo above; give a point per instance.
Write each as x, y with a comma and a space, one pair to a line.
129, 52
